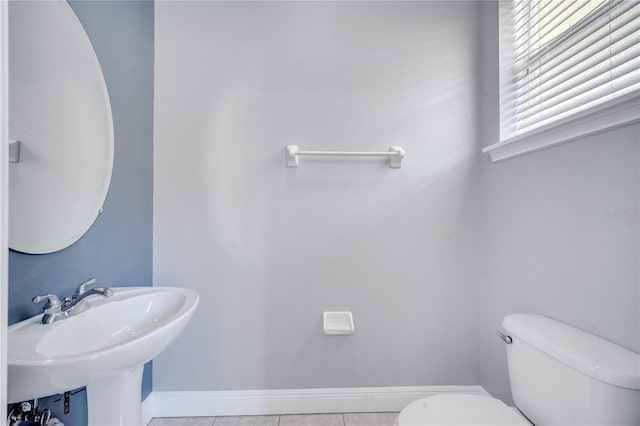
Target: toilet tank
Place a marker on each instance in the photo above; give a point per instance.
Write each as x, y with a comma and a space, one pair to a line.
561, 375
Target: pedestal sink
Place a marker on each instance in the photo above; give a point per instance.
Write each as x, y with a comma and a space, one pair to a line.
103, 348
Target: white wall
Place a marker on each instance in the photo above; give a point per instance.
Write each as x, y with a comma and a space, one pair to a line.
269, 248
560, 231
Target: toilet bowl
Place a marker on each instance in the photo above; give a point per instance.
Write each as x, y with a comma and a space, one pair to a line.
559, 375
460, 410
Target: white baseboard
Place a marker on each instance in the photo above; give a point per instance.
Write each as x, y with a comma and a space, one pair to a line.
290, 401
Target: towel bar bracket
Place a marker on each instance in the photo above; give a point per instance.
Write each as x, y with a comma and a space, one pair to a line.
14, 151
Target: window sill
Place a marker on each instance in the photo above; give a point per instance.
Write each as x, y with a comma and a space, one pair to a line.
615, 113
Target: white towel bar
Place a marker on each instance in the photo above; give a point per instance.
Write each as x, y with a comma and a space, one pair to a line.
395, 154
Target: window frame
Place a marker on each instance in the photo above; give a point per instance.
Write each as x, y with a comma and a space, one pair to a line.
616, 112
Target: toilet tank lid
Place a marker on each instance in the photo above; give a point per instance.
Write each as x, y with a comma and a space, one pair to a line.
587, 353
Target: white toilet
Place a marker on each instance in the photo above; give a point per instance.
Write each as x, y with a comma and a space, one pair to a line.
560, 375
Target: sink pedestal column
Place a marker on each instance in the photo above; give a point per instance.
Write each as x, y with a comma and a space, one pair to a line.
113, 399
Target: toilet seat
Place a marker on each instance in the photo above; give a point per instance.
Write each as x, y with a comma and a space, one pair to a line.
459, 409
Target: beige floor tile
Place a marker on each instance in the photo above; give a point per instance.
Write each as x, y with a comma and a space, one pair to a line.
182, 421
247, 421
370, 419
311, 420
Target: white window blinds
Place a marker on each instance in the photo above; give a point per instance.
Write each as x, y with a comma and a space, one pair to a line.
571, 55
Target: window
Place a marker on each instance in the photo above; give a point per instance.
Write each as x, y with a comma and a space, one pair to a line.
568, 68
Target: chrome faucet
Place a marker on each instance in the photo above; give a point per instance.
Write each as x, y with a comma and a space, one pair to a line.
55, 310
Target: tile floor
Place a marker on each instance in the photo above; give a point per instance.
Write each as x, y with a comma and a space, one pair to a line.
340, 419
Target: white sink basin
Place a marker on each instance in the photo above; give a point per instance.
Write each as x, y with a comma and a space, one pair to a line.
103, 348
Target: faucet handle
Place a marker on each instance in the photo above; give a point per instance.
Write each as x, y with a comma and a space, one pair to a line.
52, 300
83, 287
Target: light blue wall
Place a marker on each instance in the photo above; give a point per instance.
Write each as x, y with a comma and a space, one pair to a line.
117, 249
272, 247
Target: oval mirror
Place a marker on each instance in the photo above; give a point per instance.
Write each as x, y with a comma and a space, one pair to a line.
59, 112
